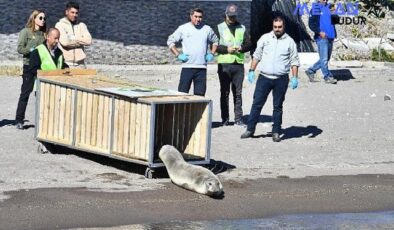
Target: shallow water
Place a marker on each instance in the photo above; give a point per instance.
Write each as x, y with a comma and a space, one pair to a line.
378, 220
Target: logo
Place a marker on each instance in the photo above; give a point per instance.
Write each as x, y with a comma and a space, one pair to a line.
348, 11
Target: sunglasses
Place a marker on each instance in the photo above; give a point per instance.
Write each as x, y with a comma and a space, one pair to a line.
42, 18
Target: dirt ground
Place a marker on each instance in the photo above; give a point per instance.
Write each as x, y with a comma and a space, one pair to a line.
342, 129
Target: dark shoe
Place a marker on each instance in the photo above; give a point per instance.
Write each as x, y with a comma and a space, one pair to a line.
330, 80
311, 76
225, 123
19, 125
240, 123
247, 134
276, 137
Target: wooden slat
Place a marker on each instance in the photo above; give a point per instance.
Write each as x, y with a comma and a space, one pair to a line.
188, 141
84, 117
137, 138
100, 115
116, 127
62, 113
197, 131
126, 127
93, 136
132, 120
56, 112
168, 124
67, 114
47, 104
120, 123
66, 72
159, 127
143, 131
204, 130
51, 110
148, 131
79, 117
89, 112
42, 107
106, 122
181, 127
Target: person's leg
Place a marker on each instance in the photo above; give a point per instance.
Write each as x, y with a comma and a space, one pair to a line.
236, 87
185, 80
278, 94
315, 67
224, 79
200, 81
26, 89
261, 92
323, 45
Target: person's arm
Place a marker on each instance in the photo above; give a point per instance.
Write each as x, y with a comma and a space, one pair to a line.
173, 39
294, 59
253, 64
246, 44
34, 63
212, 38
314, 23
64, 39
84, 38
22, 47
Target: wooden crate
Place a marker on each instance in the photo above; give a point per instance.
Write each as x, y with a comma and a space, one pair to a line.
72, 113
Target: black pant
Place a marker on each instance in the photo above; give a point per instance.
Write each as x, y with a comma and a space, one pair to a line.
26, 89
197, 76
231, 75
263, 88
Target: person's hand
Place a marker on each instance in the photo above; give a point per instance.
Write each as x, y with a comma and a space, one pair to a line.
231, 49
322, 35
251, 76
209, 57
32, 49
294, 82
183, 57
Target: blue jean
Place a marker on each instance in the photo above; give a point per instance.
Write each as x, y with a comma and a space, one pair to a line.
263, 87
197, 76
324, 47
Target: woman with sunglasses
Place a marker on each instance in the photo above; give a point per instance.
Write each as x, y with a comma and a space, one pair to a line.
29, 38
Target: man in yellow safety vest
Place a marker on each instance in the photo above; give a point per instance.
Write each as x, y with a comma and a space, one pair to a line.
233, 43
46, 56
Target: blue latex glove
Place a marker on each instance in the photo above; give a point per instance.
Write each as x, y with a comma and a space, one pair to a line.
183, 57
251, 76
294, 82
209, 57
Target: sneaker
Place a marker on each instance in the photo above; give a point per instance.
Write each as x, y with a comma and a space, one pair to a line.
276, 137
240, 123
247, 134
330, 80
225, 122
310, 75
19, 125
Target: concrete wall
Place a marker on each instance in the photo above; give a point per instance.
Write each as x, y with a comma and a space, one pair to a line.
124, 31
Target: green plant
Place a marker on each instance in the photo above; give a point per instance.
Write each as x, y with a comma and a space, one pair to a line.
383, 55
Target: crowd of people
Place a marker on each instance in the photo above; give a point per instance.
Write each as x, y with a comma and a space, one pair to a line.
273, 60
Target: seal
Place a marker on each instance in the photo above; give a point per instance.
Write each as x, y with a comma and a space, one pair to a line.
192, 177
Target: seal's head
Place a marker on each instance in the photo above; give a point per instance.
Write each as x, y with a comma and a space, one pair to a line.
213, 187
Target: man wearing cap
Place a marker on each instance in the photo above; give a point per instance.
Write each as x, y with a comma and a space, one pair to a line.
233, 43
195, 38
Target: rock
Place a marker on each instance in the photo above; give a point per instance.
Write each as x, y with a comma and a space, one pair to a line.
374, 43
390, 36
387, 97
357, 45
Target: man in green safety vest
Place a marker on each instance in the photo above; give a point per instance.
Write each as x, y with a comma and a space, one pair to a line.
46, 56
233, 43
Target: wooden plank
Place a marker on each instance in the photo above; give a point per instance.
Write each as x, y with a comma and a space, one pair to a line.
170, 99
42, 107
100, 116
197, 131
148, 131
62, 113
120, 123
84, 117
132, 120
66, 72
95, 111
47, 104
204, 130
116, 127
106, 122
187, 143
72, 97
143, 131
56, 112
68, 115
137, 138
51, 110
126, 127
168, 128
158, 127
79, 118
89, 111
